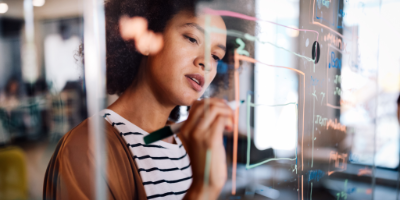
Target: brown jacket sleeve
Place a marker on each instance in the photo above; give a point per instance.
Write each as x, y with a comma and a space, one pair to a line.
70, 173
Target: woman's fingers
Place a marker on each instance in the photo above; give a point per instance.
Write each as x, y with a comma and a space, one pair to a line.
197, 114
212, 114
217, 129
229, 123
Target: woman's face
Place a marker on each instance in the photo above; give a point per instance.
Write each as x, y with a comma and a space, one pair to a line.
177, 73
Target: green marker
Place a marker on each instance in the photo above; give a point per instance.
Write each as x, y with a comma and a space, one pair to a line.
175, 128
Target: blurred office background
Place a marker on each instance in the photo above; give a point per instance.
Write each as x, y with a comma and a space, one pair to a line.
40, 100
43, 96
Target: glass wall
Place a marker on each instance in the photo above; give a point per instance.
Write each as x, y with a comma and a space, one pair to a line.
320, 80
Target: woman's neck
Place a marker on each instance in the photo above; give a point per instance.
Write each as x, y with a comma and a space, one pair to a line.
140, 106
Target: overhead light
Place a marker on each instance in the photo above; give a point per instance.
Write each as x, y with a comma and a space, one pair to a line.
3, 8
38, 3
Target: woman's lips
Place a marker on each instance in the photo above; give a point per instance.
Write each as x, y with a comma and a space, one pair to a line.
196, 86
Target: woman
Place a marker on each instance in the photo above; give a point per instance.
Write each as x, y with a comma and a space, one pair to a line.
151, 82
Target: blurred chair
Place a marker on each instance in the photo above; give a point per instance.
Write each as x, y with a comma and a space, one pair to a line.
13, 175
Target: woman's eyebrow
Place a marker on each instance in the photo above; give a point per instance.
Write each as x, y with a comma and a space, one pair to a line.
223, 47
194, 25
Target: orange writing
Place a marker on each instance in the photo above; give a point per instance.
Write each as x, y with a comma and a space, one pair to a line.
365, 171
335, 125
343, 102
338, 162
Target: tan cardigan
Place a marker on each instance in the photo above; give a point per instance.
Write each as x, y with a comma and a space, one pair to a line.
70, 173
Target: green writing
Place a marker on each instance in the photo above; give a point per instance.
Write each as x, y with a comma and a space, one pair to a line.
321, 121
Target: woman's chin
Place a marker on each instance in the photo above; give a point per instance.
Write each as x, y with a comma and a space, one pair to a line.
187, 97
188, 102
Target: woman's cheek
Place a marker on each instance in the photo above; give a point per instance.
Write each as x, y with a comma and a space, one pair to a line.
212, 75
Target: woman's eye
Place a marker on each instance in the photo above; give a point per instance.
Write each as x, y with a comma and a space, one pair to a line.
216, 58
192, 40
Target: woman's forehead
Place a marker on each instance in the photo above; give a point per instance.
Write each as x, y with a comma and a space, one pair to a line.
186, 17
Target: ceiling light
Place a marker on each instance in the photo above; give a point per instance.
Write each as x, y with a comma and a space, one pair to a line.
3, 8
38, 3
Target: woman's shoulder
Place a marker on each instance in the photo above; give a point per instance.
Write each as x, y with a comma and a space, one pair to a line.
73, 162
75, 148
80, 135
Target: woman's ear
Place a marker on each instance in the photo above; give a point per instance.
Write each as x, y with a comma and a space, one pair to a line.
146, 41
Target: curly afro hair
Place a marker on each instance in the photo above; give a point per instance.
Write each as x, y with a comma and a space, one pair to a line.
122, 59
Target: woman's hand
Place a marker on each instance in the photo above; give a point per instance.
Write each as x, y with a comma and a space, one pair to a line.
203, 131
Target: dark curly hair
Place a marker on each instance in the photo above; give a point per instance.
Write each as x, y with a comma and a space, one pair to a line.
122, 60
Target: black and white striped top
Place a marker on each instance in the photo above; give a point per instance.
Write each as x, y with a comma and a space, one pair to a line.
164, 167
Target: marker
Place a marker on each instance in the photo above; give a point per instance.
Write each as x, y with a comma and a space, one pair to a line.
175, 128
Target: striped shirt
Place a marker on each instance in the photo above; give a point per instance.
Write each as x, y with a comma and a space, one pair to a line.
164, 167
